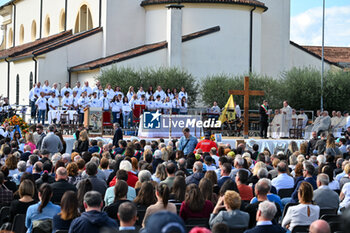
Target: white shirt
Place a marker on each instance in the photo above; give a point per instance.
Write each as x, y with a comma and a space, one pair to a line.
37, 91
95, 103
83, 102
66, 101
171, 96
215, 109
161, 93
346, 191
126, 108
56, 92
140, 102
104, 103
158, 104
65, 89
167, 105
119, 93
334, 185
140, 93
182, 94
46, 89
54, 102
78, 90
31, 94
116, 106
110, 93
87, 89
176, 103
41, 102
283, 181
151, 105
183, 109
298, 215
129, 95
75, 101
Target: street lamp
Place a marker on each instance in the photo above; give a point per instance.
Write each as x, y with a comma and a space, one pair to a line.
322, 69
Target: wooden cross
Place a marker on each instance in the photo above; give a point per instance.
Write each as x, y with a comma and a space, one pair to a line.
246, 93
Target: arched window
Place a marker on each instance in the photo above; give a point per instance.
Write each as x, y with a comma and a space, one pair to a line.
30, 81
17, 89
83, 21
47, 26
10, 38
21, 34
62, 20
33, 30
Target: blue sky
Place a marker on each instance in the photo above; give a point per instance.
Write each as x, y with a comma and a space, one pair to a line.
306, 22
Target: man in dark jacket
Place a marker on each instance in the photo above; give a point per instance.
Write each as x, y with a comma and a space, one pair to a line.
197, 174
92, 220
61, 185
266, 212
118, 134
263, 111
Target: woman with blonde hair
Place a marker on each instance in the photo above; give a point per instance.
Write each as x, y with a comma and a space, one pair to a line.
160, 173
83, 142
165, 154
30, 141
292, 147
331, 148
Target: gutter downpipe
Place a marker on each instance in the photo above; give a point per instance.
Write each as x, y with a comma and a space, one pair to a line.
41, 18
35, 69
14, 24
251, 41
100, 13
65, 15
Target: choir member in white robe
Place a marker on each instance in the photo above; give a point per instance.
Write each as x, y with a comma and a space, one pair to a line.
275, 126
286, 122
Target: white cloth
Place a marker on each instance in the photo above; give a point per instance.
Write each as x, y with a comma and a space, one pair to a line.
161, 93
150, 105
83, 103
126, 108
158, 104
116, 106
129, 95
238, 111
31, 94
87, 89
37, 91
286, 121
110, 93
94, 103
215, 109
298, 215
104, 103
140, 93
176, 103
183, 94
53, 114
78, 90
323, 124
57, 93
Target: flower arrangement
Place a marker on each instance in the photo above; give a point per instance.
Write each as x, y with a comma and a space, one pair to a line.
16, 120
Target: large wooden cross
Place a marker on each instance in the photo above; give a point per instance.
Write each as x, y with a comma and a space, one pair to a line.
246, 93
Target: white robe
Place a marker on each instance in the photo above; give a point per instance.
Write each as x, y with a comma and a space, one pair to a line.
305, 119
337, 124
275, 127
286, 122
323, 124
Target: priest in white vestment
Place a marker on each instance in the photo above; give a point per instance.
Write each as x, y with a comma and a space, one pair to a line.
275, 126
286, 122
323, 124
304, 117
337, 124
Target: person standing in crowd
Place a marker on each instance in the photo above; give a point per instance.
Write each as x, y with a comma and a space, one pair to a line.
41, 105
187, 142
206, 145
52, 142
118, 134
264, 118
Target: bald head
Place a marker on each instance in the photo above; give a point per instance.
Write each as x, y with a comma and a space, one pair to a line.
61, 173
320, 226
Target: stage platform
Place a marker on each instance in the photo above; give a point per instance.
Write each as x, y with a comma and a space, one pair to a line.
271, 144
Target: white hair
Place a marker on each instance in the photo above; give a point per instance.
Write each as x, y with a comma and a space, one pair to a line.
56, 157
95, 160
147, 147
246, 154
300, 158
21, 166
144, 175
268, 209
321, 159
67, 157
239, 161
125, 165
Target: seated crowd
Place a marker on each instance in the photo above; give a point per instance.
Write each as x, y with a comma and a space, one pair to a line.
174, 186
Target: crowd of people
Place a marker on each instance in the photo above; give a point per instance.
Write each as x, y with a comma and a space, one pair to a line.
45, 98
171, 186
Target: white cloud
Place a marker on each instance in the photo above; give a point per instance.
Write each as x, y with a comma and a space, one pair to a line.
306, 28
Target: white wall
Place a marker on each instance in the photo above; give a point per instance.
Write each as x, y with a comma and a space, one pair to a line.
275, 37
53, 10
3, 78
73, 9
53, 66
301, 59
23, 69
124, 25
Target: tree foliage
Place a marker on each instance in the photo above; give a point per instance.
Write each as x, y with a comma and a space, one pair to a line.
165, 77
301, 87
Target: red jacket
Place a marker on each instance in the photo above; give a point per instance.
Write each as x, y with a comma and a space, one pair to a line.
206, 145
132, 179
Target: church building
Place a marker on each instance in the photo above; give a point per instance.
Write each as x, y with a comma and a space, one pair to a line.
74, 40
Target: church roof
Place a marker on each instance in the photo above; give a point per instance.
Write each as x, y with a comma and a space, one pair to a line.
45, 45
239, 2
135, 52
5, 2
31, 46
338, 55
313, 53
